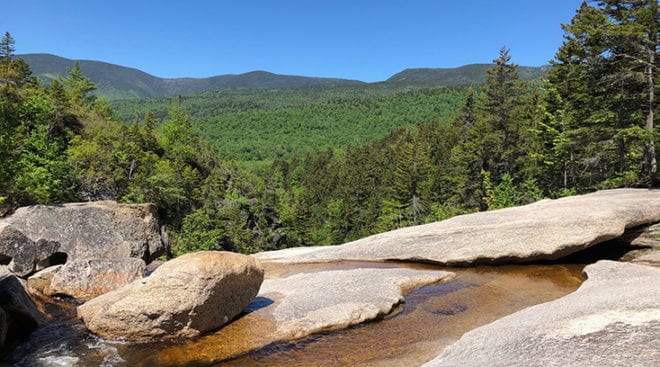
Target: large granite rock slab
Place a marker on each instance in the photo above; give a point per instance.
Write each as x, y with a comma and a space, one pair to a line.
613, 319
331, 300
303, 304
183, 298
36, 237
89, 278
18, 314
546, 230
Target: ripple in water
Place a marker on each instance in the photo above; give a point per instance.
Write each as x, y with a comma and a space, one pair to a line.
67, 344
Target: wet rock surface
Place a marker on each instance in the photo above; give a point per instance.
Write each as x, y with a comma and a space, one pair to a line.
89, 278
613, 319
309, 303
183, 298
546, 230
302, 304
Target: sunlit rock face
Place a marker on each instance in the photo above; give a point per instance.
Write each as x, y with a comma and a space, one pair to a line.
89, 278
546, 230
613, 319
39, 236
310, 303
183, 298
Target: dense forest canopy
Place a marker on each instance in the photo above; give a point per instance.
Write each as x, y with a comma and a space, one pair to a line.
392, 159
264, 125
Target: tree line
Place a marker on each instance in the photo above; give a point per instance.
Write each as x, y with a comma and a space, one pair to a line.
590, 125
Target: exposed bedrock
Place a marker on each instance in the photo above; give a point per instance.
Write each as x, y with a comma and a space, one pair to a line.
545, 230
613, 319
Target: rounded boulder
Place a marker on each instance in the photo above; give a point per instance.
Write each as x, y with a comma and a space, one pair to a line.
183, 298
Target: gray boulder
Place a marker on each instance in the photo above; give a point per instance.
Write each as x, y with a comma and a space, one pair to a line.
300, 305
22, 253
546, 230
36, 237
89, 278
183, 298
647, 238
613, 319
18, 314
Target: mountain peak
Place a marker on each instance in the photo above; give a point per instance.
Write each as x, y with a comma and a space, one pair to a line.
120, 82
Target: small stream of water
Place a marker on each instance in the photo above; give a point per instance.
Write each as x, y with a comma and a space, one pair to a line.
431, 318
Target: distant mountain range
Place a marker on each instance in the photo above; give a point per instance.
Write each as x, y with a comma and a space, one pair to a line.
120, 82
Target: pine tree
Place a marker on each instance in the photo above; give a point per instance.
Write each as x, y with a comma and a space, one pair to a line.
604, 76
495, 142
7, 48
632, 37
501, 111
79, 88
467, 117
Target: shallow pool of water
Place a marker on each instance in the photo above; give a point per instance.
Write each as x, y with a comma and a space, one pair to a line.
431, 318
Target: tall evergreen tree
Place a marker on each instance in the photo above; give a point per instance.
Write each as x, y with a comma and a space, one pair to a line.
502, 114
495, 143
632, 38
7, 48
603, 79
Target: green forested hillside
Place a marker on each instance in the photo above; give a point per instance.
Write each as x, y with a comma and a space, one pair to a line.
591, 125
264, 125
116, 81
119, 82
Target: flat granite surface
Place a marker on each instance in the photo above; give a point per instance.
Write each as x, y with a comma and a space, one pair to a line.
613, 319
545, 230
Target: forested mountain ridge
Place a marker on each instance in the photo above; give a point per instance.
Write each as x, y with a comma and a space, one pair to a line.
462, 75
119, 82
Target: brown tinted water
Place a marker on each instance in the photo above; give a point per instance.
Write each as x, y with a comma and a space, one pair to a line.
431, 318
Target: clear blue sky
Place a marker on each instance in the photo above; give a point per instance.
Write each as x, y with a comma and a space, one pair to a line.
367, 40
